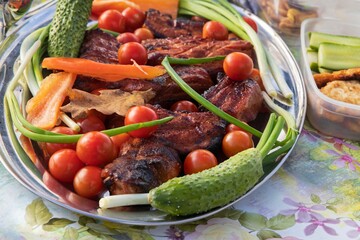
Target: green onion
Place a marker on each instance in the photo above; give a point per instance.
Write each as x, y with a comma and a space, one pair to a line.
200, 99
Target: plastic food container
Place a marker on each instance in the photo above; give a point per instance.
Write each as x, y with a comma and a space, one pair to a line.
329, 116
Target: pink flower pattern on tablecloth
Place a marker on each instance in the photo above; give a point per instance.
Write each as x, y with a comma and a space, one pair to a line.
355, 232
302, 212
344, 160
315, 223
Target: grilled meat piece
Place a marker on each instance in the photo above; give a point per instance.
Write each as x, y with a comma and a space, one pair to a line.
167, 91
100, 47
189, 131
163, 25
193, 47
240, 99
142, 166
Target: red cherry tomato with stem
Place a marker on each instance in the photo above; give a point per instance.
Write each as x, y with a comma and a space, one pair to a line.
51, 148
88, 182
199, 160
140, 114
134, 18
112, 20
238, 66
64, 164
235, 142
185, 106
95, 148
132, 51
215, 30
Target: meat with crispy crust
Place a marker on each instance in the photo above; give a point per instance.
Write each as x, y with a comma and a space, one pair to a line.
241, 99
164, 26
141, 166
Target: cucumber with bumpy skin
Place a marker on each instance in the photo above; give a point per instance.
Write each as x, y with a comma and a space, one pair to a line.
68, 27
211, 188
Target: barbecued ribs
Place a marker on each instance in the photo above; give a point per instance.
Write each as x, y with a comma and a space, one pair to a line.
164, 26
143, 165
241, 99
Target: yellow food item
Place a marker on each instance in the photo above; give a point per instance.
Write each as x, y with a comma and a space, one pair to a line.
345, 91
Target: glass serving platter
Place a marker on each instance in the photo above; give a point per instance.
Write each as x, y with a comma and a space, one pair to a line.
32, 173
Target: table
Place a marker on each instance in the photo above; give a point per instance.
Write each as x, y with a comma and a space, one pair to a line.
315, 195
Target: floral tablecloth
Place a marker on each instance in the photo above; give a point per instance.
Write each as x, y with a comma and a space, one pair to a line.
315, 195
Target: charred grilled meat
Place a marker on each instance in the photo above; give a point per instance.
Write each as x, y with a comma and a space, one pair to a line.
241, 99
189, 131
193, 47
164, 26
142, 166
99, 46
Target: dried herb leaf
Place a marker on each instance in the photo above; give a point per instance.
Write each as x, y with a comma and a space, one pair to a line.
37, 213
107, 102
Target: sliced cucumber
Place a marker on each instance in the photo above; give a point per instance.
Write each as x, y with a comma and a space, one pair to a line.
316, 38
336, 57
313, 60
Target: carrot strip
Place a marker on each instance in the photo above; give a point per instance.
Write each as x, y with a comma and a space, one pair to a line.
102, 71
168, 6
100, 6
43, 109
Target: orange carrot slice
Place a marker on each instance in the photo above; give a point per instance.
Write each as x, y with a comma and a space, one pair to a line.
100, 6
43, 109
103, 71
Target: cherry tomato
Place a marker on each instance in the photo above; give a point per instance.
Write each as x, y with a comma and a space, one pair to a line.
95, 148
127, 37
51, 148
251, 22
185, 106
238, 66
64, 164
215, 30
236, 141
143, 34
231, 127
199, 160
88, 182
112, 20
134, 18
119, 140
91, 123
139, 114
132, 51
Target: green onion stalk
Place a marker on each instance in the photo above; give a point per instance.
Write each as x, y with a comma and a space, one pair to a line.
222, 11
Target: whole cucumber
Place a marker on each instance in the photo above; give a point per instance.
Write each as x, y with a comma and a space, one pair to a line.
214, 187
68, 27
